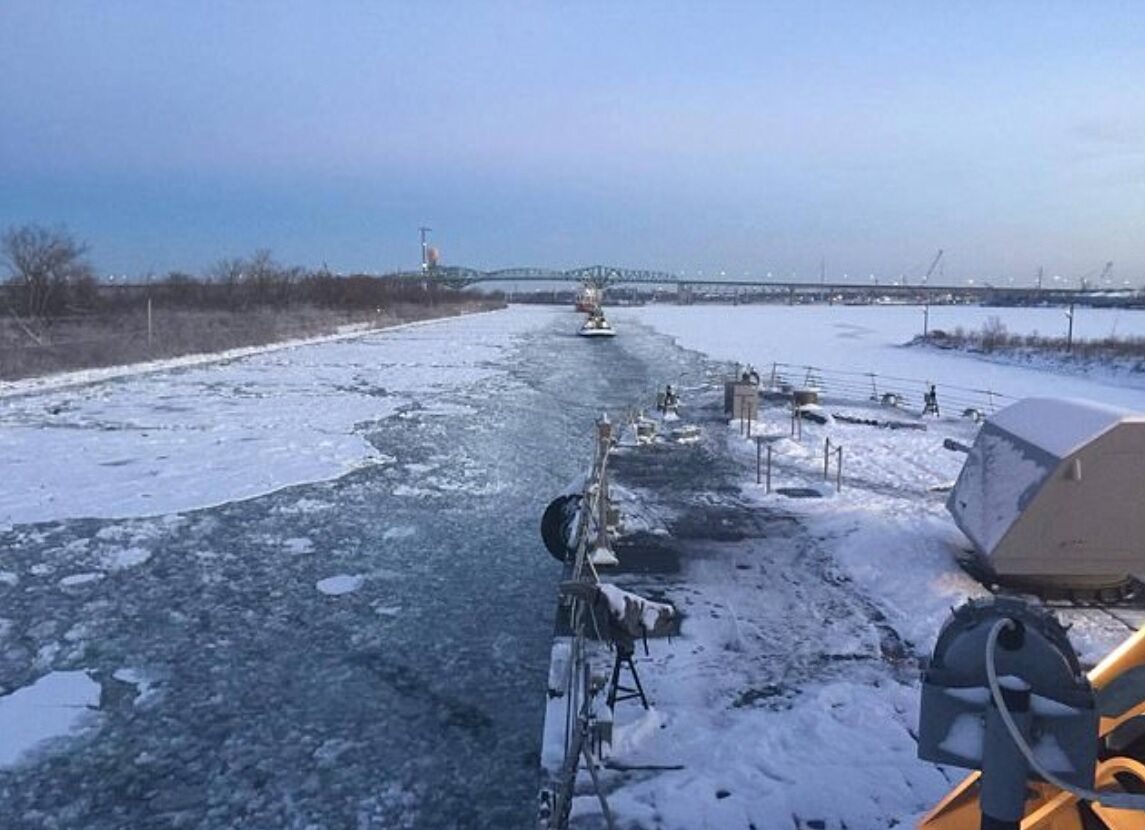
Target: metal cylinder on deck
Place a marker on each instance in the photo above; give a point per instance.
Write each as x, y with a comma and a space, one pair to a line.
802, 397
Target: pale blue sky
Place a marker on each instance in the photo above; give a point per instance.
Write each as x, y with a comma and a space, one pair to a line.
681, 136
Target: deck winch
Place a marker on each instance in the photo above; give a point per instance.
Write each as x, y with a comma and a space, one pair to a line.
1004, 679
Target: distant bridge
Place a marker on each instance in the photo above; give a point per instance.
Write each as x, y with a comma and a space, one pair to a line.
599, 276
603, 276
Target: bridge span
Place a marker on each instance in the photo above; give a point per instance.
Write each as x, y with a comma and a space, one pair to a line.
604, 276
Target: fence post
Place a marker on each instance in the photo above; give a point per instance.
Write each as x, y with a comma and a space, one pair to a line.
826, 455
839, 471
769, 468
758, 459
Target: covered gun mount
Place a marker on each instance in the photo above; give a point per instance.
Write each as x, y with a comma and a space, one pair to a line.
1050, 495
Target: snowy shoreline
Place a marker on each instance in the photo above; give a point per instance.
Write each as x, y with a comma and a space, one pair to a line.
81, 377
180, 435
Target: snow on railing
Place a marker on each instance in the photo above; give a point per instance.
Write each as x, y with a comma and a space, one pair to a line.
578, 692
871, 386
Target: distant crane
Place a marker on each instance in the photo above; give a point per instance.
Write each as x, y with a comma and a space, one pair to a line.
926, 298
1106, 274
929, 271
933, 265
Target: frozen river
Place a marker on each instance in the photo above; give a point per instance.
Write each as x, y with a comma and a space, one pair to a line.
367, 651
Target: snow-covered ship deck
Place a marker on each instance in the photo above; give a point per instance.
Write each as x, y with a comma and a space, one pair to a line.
790, 693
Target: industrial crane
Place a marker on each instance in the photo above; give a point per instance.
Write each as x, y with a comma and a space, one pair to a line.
933, 265
926, 299
930, 270
1106, 273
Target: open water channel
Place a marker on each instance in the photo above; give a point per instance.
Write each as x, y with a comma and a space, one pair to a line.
414, 701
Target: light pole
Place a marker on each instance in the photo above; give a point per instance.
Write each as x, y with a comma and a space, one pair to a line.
148, 311
424, 231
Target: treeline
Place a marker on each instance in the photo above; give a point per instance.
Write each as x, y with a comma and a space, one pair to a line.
55, 315
268, 287
995, 337
50, 277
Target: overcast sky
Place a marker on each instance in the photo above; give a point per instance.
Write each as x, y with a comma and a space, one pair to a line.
745, 137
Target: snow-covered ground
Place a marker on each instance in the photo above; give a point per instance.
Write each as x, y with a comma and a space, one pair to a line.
869, 339
181, 434
756, 724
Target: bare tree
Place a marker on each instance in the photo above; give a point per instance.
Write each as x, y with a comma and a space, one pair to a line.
229, 273
269, 281
43, 264
259, 281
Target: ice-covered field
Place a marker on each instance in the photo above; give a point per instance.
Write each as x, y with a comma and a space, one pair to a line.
867, 339
304, 586
193, 433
